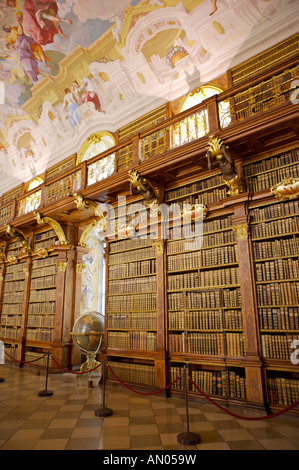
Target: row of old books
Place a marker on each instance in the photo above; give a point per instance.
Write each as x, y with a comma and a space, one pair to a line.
230, 344
283, 318
45, 243
283, 391
277, 346
279, 293
10, 332
203, 258
193, 187
132, 285
206, 198
197, 343
219, 277
223, 255
15, 298
136, 302
271, 163
277, 269
137, 268
199, 242
41, 320
128, 244
274, 211
42, 307
15, 272
201, 320
210, 226
134, 340
42, 295
221, 383
11, 320
275, 228
132, 373
140, 320
213, 299
267, 180
44, 235
39, 334
12, 308
183, 281
44, 262
206, 320
43, 271
131, 255
33, 356
14, 286
43, 282
276, 248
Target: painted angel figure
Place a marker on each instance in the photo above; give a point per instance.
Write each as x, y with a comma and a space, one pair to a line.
82, 95
41, 20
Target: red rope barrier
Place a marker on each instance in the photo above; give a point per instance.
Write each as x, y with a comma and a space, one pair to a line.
25, 362
142, 393
245, 417
72, 371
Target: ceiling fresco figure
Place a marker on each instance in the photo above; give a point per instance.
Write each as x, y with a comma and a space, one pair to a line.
71, 106
41, 21
83, 95
29, 52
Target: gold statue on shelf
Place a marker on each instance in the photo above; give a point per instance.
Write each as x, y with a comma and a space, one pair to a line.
225, 163
12, 232
141, 185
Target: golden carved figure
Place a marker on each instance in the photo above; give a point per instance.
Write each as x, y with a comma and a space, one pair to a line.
225, 163
142, 185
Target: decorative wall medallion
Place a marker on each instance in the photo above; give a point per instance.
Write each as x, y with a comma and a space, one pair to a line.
287, 189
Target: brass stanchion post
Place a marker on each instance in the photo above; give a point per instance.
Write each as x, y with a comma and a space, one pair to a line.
103, 412
46, 392
187, 438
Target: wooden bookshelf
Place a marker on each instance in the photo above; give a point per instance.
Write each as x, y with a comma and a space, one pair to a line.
275, 238
12, 302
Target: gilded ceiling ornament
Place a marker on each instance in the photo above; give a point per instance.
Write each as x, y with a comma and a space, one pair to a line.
241, 231
55, 226
287, 189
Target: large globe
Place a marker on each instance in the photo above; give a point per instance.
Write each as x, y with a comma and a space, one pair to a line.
88, 332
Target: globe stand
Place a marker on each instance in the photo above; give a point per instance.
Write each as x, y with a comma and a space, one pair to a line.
46, 392
103, 411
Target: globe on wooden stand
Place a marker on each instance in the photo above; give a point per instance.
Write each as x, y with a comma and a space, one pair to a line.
88, 332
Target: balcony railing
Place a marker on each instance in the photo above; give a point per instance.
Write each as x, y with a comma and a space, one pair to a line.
240, 103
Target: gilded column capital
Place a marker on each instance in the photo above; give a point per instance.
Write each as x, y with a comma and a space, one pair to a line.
158, 246
61, 266
241, 230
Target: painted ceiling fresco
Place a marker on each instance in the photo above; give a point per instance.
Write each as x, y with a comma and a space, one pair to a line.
70, 68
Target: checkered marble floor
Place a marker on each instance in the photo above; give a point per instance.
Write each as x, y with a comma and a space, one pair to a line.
66, 420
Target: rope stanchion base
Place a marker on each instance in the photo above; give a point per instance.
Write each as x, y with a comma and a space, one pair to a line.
45, 393
2, 380
103, 412
188, 438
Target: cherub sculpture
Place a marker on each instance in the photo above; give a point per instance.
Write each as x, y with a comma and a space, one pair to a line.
225, 164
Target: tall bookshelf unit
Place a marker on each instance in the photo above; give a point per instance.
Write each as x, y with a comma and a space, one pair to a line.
36, 288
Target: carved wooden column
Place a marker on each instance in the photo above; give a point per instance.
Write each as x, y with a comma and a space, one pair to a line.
61, 346
252, 361
27, 272
160, 360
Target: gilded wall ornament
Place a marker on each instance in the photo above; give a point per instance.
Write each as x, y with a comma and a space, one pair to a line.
55, 226
241, 231
80, 268
287, 189
12, 232
194, 211
83, 203
12, 259
42, 252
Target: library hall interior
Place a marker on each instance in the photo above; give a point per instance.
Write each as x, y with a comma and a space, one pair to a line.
149, 226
